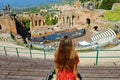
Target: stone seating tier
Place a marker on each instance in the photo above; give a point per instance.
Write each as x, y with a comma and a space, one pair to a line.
103, 37
12, 68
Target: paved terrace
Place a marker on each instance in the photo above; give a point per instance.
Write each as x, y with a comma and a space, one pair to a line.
13, 68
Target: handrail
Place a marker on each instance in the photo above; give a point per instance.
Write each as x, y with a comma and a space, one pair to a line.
18, 51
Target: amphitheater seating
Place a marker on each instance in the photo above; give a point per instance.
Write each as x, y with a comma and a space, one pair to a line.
12, 68
5, 37
103, 37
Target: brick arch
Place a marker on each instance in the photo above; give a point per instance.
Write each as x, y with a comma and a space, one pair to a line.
88, 20
0, 27
73, 18
67, 19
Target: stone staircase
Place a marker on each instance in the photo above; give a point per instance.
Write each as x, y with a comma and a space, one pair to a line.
12, 68
100, 72
5, 37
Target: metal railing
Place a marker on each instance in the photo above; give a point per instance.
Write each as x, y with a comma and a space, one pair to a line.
30, 52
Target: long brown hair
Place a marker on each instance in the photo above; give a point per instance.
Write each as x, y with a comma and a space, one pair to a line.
63, 53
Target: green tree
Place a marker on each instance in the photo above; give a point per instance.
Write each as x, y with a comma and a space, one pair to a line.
107, 4
51, 22
81, 1
50, 19
54, 21
27, 24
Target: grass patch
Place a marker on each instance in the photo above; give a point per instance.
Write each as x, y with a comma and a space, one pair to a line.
112, 16
117, 8
85, 50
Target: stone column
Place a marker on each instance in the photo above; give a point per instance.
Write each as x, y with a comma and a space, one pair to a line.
42, 22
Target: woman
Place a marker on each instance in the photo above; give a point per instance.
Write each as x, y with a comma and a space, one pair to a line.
66, 60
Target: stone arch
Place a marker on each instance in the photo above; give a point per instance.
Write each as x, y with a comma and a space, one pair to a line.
39, 22
67, 19
73, 17
0, 27
95, 28
88, 21
35, 22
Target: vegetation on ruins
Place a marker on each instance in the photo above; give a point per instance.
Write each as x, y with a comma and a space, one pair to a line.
113, 15
117, 8
50, 19
27, 24
107, 4
101, 4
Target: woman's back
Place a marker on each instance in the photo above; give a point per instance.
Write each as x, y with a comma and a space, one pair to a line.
66, 60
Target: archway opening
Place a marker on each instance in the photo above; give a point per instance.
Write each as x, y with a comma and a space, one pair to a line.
0, 27
88, 21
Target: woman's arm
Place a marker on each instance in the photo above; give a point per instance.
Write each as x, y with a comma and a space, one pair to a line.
75, 66
56, 69
76, 72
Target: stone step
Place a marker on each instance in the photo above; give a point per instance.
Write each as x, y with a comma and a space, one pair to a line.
13, 68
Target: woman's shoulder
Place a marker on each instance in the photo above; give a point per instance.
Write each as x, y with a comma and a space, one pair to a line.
74, 54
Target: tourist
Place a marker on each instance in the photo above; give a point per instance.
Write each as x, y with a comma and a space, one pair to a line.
66, 60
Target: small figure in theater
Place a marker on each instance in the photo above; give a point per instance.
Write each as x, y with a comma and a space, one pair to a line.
66, 60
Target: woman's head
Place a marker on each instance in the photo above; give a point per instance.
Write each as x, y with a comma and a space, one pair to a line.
64, 51
65, 44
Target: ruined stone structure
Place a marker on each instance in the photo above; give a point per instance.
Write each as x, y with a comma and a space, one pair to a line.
70, 17
36, 22
8, 24
7, 21
75, 16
